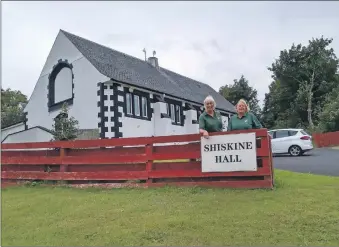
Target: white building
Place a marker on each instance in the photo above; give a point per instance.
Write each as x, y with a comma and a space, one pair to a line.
112, 95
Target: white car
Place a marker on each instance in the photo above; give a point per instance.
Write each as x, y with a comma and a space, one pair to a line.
292, 141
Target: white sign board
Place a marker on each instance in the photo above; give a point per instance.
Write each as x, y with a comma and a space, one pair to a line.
228, 153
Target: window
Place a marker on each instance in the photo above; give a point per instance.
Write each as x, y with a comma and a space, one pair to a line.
60, 86
128, 104
168, 109
304, 132
177, 114
136, 105
198, 114
63, 85
225, 123
281, 134
292, 132
144, 106
172, 113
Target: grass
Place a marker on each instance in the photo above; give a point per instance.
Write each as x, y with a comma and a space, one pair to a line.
302, 210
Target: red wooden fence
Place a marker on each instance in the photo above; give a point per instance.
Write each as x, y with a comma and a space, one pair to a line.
129, 162
328, 139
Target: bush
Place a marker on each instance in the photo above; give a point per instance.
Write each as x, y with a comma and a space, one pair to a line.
65, 128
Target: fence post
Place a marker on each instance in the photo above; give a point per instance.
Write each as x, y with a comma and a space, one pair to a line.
270, 157
63, 167
149, 163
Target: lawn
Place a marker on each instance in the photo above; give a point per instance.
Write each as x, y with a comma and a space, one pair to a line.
302, 210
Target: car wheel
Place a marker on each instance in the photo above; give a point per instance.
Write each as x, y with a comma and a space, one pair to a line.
295, 150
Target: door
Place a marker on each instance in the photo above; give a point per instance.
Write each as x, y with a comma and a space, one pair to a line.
282, 141
273, 145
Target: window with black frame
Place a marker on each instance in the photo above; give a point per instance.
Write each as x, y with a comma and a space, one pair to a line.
136, 105
174, 111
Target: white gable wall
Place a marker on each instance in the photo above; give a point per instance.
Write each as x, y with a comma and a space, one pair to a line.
30, 135
12, 129
61, 49
86, 77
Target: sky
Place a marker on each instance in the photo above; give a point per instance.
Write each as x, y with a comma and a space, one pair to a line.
213, 42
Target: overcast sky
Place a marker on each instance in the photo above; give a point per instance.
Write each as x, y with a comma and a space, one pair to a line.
213, 42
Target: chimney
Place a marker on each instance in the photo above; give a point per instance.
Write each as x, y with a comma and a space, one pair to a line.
153, 61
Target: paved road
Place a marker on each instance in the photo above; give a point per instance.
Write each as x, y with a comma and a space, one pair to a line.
322, 161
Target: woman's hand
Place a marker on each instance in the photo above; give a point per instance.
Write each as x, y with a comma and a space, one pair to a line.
205, 134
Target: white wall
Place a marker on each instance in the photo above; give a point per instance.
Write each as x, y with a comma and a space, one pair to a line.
133, 127
191, 128
62, 49
29, 135
136, 127
162, 126
11, 129
86, 77
224, 122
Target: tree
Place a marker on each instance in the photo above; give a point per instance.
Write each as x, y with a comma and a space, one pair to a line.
302, 77
329, 115
271, 109
65, 128
12, 106
240, 89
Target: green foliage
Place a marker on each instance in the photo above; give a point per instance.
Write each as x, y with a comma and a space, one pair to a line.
302, 78
240, 89
12, 105
65, 128
329, 116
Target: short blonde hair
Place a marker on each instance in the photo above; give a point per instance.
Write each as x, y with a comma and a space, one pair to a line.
245, 103
209, 98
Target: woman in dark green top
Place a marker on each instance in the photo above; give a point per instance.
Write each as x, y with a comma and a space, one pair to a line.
244, 119
210, 120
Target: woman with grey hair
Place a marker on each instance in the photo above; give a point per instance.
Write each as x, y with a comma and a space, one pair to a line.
210, 120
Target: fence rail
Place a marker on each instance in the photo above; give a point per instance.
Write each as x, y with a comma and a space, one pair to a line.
328, 139
139, 162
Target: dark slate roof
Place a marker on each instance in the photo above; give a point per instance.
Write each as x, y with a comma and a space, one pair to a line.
124, 68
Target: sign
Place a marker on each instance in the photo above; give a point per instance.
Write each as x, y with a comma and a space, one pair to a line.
228, 153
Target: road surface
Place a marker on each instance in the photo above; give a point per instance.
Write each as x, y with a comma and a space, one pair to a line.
323, 161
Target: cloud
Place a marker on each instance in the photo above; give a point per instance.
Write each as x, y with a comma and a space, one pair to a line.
119, 38
214, 42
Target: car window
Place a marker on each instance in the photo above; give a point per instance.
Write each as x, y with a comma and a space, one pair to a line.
281, 133
271, 133
292, 132
304, 132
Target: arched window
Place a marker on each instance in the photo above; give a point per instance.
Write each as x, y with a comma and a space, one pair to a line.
60, 87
